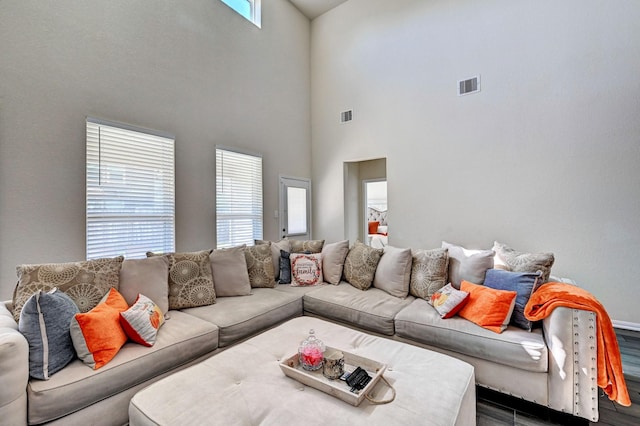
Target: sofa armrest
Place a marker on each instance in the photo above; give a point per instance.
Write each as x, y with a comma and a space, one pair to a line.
570, 335
14, 370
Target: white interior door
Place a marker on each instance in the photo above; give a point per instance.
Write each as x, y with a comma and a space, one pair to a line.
295, 208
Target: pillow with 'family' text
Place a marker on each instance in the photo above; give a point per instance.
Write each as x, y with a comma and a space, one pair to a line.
306, 269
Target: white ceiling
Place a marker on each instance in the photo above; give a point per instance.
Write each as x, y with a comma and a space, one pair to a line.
314, 8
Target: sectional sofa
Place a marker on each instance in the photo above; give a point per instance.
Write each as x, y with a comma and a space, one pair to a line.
554, 365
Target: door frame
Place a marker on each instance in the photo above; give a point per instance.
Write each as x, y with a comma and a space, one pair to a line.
282, 208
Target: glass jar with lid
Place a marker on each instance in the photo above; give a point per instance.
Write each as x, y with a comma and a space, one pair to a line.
311, 352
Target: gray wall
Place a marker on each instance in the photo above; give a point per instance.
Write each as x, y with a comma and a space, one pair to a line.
192, 68
544, 158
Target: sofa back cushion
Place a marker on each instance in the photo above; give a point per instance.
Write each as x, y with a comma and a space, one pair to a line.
333, 256
394, 271
230, 274
148, 276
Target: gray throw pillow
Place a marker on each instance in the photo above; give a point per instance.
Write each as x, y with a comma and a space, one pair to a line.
467, 265
45, 322
511, 260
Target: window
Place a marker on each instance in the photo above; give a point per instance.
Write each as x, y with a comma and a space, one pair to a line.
238, 198
250, 9
130, 191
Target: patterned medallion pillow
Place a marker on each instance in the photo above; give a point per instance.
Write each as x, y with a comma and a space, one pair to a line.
311, 246
149, 276
260, 266
333, 256
448, 301
515, 261
487, 307
229, 269
428, 272
523, 283
85, 282
142, 321
360, 265
468, 265
306, 269
190, 279
393, 272
285, 267
283, 244
45, 323
97, 335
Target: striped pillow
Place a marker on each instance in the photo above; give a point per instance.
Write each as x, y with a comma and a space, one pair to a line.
142, 321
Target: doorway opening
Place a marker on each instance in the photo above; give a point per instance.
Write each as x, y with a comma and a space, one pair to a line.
357, 176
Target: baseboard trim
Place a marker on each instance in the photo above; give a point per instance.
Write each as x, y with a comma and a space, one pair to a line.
626, 325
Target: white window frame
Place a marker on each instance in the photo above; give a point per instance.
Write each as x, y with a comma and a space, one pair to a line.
130, 190
239, 197
255, 11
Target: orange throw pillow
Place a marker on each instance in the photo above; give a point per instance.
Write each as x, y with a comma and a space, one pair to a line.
97, 335
487, 307
373, 227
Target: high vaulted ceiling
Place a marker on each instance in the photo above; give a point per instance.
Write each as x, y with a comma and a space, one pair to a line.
314, 8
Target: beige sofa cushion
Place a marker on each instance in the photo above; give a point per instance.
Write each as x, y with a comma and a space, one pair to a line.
148, 276
230, 274
513, 347
241, 317
373, 309
181, 339
333, 256
394, 271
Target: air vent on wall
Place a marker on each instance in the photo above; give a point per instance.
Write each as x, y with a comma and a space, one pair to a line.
468, 86
346, 116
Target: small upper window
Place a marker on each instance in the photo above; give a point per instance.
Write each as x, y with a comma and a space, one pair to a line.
250, 9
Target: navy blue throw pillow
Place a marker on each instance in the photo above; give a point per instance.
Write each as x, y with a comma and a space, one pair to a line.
285, 267
524, 283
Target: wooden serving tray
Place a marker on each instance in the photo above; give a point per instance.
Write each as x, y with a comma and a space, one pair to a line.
338, 388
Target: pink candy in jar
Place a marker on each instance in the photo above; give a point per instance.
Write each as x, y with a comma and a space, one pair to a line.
311, 352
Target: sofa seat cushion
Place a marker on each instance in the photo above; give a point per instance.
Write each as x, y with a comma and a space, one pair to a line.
181, 339
242, 316
513, 347
373, 309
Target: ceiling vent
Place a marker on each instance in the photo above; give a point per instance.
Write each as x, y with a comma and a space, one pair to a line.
471, 85
346, 116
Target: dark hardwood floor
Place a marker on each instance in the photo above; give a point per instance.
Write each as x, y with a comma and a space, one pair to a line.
494, 409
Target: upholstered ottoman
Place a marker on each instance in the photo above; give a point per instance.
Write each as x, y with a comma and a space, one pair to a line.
244, 385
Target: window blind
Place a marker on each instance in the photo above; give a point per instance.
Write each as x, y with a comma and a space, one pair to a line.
130, 191
238, 198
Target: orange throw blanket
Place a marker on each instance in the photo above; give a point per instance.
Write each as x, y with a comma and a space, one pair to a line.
552, 295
